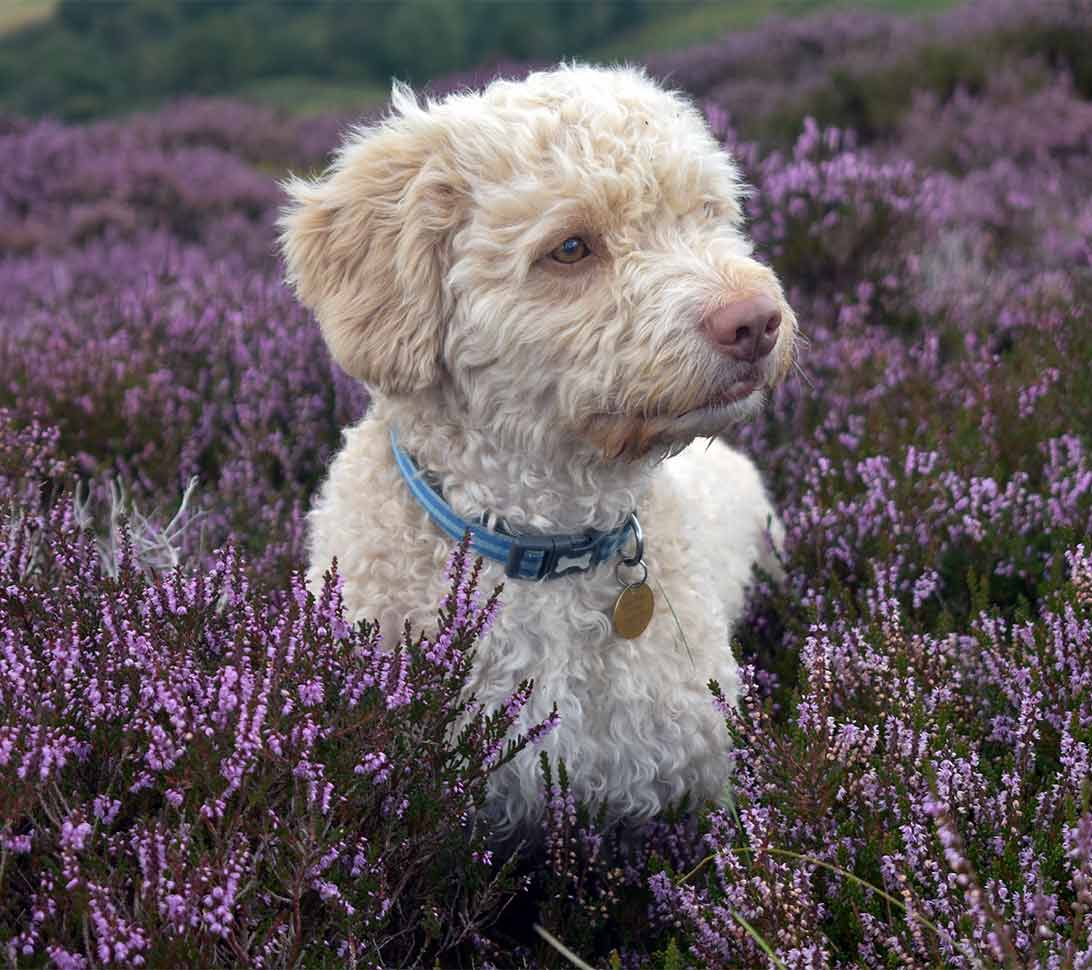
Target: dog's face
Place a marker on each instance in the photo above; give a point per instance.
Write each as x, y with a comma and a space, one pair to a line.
563, 256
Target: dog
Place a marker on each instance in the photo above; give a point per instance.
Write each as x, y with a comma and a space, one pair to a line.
548, 290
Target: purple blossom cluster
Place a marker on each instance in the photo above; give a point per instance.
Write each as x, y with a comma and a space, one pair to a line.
145, 319
209, 766
912, 772
197, 773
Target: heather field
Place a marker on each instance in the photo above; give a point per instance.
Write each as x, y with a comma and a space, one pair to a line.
204, 765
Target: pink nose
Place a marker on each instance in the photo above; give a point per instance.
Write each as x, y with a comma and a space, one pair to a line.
746, 329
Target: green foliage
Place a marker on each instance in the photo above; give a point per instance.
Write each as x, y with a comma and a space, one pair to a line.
670, 957
100, 58
682, 24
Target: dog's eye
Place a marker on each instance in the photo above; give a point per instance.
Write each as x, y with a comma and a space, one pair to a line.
572, 250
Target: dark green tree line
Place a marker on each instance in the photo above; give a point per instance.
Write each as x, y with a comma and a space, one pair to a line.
93, 58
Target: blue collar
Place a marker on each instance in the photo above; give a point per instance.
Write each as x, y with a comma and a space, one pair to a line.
524, 557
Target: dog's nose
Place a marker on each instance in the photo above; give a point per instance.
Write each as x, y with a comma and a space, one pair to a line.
746, 329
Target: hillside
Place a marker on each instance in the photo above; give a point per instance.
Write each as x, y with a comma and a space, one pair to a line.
78, 60
206, 764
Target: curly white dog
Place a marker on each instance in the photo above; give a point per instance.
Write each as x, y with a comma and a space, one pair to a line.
548, 290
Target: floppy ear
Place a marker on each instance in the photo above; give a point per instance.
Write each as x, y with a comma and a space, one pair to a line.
366, 246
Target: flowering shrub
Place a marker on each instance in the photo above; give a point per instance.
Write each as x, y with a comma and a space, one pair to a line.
204, 765
198, 775
912, 780
861, 70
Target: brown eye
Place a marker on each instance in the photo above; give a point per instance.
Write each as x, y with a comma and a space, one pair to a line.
572, 250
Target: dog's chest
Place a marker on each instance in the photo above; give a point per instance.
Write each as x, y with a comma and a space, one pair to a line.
561, 634
557, 632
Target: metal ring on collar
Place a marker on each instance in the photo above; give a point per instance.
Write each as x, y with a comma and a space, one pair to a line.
635, 527
636, 582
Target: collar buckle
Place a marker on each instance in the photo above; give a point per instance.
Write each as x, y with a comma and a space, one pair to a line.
574, 556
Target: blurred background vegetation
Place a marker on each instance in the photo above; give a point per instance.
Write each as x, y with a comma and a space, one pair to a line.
79, 59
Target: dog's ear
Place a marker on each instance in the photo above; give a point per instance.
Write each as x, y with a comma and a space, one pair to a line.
366, 246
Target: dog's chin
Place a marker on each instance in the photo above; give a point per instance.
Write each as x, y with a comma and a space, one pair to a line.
738, 402
635, 436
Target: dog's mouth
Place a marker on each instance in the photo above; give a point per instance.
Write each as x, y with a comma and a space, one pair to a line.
632, 436
734, 393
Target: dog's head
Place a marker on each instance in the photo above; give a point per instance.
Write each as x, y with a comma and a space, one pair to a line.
562, 257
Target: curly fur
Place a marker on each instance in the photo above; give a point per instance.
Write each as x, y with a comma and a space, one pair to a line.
557, 398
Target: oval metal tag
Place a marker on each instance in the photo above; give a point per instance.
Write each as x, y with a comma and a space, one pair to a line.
633, 610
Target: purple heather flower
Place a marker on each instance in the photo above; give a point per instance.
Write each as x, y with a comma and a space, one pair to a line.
198, 746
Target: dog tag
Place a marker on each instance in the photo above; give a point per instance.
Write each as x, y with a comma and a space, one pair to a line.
633, 610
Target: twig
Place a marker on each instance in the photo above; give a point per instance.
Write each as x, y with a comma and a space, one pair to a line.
562, 948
